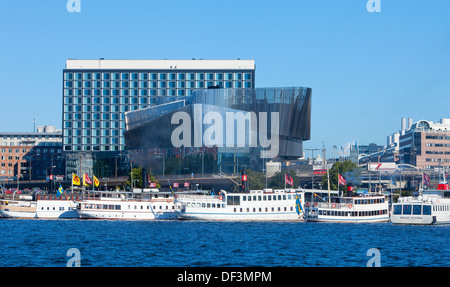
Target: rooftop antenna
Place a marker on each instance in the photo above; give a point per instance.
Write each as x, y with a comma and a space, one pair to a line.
34, 123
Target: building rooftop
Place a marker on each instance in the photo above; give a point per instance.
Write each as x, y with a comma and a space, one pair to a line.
194, 64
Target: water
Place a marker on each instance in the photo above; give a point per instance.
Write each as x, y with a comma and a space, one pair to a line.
219, 244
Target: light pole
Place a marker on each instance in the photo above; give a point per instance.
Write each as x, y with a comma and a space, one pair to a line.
312, 163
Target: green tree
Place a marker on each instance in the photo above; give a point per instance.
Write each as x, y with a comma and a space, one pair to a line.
349, 170
278, 179
137, 177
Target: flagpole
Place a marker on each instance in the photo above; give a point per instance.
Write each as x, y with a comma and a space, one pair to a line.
338, 184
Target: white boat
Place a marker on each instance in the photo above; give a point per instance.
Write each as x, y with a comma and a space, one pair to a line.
256, 205
363, 208
18, 208
50, 206
431, 207
126, 205
39, 206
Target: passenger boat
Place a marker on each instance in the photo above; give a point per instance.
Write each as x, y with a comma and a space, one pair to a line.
255, 205
18, 208
39, 206
430, 207
146, 205
363, 208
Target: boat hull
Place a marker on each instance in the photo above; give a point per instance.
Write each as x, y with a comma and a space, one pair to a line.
226, 216
83, 214
368, 219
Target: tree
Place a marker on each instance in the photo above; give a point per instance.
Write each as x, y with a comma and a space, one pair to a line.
349, 170
137, 178
278, 179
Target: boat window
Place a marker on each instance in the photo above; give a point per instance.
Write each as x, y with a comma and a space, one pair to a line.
213, 205
269, 197
249, 198
397, 209
234, 199
259, 197
284, 196
279, 197
244, 198
417, 209
203, 204
208, 205
254, 197
407, 209
198, 205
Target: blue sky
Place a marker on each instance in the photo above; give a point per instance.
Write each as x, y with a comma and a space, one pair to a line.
366, 70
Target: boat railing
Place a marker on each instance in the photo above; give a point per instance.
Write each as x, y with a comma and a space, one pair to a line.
333, 205
197, 197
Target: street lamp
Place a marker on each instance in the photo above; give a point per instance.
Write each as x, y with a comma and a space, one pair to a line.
312, 163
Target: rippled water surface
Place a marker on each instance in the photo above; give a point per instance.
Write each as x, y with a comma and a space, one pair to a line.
193, 243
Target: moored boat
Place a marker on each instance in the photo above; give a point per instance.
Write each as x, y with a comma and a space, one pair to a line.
123, 205
430, 207
39, 206
256, 205
363, 208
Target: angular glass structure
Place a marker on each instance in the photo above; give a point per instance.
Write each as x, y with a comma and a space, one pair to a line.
220, 130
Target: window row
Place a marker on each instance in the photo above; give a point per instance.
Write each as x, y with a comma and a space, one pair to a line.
95, 125
352, 213
68, 76
94, 148
124, 88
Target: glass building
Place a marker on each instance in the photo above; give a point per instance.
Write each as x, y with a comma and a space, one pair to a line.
220, 130
98, 93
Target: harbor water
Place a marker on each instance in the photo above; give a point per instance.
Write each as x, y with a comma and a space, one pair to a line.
103, 243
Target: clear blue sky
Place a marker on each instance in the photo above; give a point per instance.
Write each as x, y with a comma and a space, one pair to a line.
366, 70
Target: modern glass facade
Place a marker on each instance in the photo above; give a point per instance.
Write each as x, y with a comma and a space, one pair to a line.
220, 130
98, 93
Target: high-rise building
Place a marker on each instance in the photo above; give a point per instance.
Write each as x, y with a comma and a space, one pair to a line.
98, 93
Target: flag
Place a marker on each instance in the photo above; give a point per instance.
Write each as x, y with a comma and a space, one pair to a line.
298, 206
342, 180
96, 182
75, 179
288, 179
60, 191
426, 179
86, 180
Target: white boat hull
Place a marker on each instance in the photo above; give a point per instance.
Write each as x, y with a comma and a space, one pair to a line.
254, 206
52, 209
343, 219
83, 214
17, 214
227, 216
